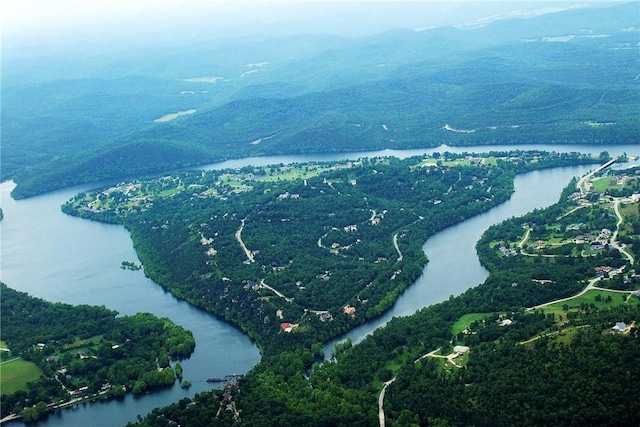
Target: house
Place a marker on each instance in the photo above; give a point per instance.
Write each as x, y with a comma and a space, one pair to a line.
574, 226
325, 316
619, 327
461, 349
349, 309
288, 327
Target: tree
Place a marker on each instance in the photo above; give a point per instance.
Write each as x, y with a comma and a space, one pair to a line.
139, 387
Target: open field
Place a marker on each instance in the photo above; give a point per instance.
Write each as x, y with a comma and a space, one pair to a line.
87, 342
467, 319
606, 183
16, 373
297, 172
591, 297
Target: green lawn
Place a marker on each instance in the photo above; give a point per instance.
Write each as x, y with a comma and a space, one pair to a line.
590, 298
603, 184
16, 373
87, 342
293, 173
466, 319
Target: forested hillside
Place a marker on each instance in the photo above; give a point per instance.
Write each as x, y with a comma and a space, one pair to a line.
567, 77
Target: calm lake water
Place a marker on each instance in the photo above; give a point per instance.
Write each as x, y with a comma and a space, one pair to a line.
65, 259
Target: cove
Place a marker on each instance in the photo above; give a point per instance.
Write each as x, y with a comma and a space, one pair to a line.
61, 258
65, 259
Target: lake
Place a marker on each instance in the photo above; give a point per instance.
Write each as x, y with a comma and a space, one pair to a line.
66, 259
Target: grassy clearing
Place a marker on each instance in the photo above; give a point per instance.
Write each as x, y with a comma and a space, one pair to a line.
16, 373
603, 184
462, 360
446, 163
300, 172
467, 319
487, 161
566, 335
87, 342
170, 191
589, 298
627, 209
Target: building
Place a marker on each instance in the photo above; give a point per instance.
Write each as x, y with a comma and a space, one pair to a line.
619, 327
461, 349
349, 309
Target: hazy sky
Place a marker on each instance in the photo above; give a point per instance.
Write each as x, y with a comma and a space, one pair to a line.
56, 21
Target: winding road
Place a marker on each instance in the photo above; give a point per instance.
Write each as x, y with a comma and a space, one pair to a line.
247, 252
395, 245
381, 402
614, 237
275, 291
585, 178
613, 242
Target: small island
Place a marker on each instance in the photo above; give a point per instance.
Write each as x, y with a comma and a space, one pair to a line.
128, 265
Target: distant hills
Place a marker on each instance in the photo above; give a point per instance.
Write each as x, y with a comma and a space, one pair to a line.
566, 77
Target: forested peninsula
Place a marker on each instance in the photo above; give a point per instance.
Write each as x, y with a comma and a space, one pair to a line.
297, 254
55, 355
549, 338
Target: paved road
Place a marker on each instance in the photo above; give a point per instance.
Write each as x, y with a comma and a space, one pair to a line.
275, 291
586, 177
381, 402
395, 244
247, 252
614, 237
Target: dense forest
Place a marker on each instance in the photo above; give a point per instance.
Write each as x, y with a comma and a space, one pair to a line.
577, 381
562, 364
85, 351
566, 77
